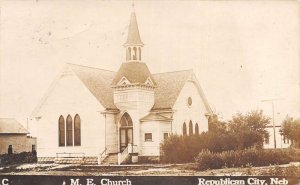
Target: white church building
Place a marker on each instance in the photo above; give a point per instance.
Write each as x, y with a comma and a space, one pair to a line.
115, 117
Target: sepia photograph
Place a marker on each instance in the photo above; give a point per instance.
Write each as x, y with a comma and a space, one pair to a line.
118, 92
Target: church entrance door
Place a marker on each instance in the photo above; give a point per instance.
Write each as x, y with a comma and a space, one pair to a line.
126, 132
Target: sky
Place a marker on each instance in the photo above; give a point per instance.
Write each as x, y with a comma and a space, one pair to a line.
242, 52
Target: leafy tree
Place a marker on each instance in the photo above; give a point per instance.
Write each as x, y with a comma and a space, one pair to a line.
243, 131
216, 126
249, 130
291, 130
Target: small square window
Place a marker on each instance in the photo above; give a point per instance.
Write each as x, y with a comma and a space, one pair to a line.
148, 136
166, 135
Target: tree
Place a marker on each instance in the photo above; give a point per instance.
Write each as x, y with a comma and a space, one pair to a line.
243, 131
216, 126
291, 130
249, 130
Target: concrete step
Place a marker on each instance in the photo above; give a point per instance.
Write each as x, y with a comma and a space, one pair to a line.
66, 160
90, 160
111, 159
76, 160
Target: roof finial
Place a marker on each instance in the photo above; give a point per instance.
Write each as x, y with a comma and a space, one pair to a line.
132, 5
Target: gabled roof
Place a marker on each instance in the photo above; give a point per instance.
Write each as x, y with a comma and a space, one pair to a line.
169, 86
155, 117
98, 81
11, 126
135, 72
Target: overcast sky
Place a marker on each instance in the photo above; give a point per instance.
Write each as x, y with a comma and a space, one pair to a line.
241, 51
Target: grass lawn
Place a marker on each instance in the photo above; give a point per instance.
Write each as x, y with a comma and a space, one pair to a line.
145, 170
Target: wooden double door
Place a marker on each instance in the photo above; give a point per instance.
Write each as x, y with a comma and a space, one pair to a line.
126, 137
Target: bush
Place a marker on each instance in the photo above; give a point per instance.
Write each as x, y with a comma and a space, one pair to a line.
209, 160
24, 157
241, 158
181, 149
243, 131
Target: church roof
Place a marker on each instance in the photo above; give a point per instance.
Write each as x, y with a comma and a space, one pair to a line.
135, 72
155, 117
98, 81
11, 126
168, 85
133, 37
168, 88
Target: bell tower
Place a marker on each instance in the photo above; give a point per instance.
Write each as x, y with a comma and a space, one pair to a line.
134, 84
134, 43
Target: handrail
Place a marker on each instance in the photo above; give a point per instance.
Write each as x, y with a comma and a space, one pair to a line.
102, 156
124, 154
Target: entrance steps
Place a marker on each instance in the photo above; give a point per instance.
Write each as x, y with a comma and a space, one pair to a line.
110, 159
76, 160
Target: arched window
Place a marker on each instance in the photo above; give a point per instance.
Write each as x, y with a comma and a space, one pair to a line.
61, 131
77, 135
126, 120
196, 129
129, 54
184, 129
69, 128
140, 54
190, 128
134, 54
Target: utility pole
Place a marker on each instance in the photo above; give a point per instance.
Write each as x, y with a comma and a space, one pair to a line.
274, 131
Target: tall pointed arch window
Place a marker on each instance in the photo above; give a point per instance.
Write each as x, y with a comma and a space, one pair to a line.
61, 131
184, 129
69, 133
77, 130
190, 128
196, 129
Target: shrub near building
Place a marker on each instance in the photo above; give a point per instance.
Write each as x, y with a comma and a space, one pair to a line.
241, 158
18, 158
243, 131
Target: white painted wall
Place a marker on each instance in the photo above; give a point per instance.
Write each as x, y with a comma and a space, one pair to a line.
70, 96
135, 99
149, 148
157, 128
184, 113
111, 133
279, 139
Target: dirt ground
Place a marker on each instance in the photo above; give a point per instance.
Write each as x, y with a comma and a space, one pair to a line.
144, 170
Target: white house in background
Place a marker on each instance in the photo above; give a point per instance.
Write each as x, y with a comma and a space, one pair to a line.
111, 116
280, 140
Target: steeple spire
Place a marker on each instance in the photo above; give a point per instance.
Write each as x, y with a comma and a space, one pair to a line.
133, 37
134, 43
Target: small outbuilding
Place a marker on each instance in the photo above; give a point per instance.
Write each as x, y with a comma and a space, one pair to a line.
14, 137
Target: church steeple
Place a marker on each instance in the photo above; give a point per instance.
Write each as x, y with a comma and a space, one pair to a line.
134, 43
